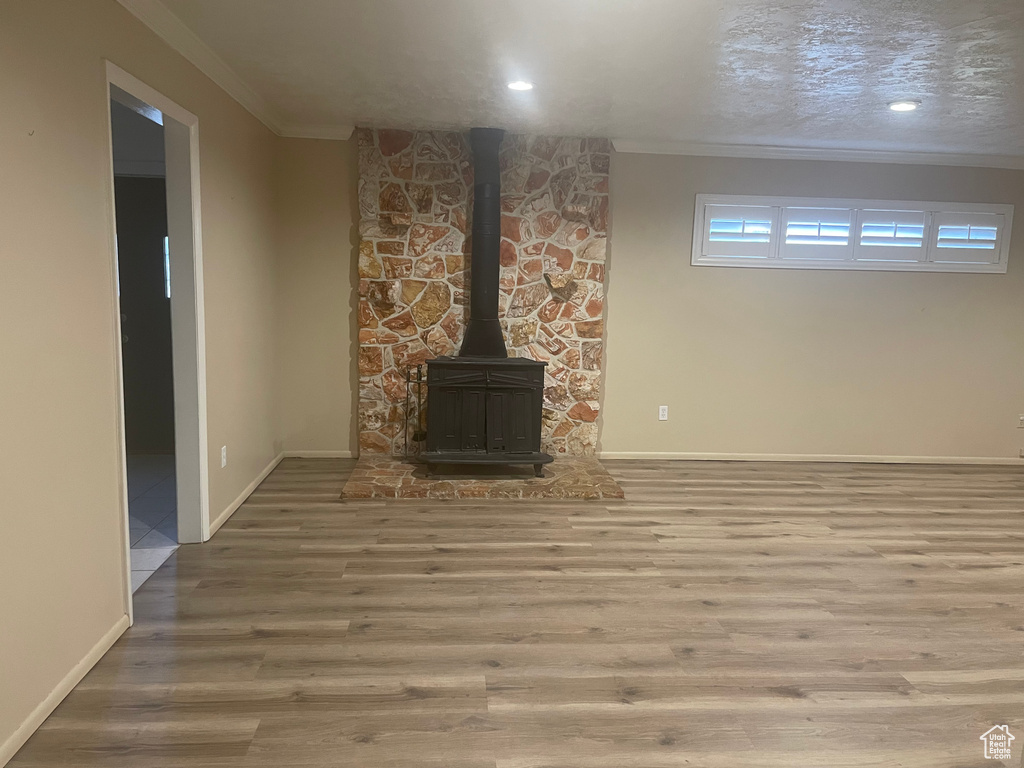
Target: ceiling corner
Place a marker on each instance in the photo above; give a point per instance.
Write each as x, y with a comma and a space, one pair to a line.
175, 33
330, 132
764, 152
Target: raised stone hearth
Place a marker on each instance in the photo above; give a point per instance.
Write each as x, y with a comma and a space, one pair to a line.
571, 477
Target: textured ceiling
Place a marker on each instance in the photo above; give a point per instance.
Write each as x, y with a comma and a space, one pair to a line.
787, 73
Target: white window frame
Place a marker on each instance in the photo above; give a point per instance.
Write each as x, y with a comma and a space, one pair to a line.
854, 256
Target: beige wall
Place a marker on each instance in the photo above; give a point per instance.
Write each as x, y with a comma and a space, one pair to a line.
61, 552
316, 335
805, 362
750, 362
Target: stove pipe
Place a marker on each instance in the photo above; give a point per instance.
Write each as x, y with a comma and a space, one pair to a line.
483, 331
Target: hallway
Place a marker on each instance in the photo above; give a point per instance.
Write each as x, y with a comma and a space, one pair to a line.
152, 514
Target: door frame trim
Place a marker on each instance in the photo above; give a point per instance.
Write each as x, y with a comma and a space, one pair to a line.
184, 214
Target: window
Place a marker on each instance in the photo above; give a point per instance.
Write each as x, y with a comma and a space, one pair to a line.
800, 233
815, 234
167, 268
969, 238
739, 231
888, 236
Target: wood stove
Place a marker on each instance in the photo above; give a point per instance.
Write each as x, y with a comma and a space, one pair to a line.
484, 411
484, 407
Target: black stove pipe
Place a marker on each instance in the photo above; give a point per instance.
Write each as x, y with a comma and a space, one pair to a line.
483, 331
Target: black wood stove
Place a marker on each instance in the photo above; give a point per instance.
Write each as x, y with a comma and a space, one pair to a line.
484, 407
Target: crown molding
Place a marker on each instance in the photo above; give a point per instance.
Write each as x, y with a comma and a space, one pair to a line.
155, 15
173, 31
700, 149
332, 132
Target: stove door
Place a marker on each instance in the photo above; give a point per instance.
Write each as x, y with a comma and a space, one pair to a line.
509, 422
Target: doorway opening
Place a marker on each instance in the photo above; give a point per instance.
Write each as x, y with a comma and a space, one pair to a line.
147, 365
160, 326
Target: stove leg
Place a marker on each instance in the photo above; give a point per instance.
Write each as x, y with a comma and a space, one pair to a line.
538, 470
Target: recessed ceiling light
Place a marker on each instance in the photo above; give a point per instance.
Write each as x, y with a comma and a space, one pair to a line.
904, 105
520, 85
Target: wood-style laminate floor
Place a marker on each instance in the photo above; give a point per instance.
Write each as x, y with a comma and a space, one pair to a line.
724, 615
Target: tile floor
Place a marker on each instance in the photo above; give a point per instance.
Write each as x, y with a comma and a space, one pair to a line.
152, 514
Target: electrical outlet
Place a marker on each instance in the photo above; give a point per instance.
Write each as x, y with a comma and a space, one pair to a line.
1020, 421
223, 456
662, 413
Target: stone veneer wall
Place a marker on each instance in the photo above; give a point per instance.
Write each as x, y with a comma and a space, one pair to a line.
415, 200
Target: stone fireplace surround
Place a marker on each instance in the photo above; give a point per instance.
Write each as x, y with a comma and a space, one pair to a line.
415, 199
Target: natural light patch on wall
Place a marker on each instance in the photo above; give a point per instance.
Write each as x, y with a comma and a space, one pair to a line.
821, 233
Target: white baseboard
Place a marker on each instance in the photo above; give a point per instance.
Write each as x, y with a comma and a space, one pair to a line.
234, 505
321, 455
820, 457
17, 739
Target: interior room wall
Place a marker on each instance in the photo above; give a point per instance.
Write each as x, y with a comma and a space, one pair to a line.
316, 188
62, 552
802, 362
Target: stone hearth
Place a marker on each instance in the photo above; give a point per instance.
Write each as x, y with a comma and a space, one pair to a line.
378, 476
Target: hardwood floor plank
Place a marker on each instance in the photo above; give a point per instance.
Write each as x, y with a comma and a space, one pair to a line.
723, 615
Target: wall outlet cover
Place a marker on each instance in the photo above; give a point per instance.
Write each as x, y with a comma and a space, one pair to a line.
662, 413
223, 456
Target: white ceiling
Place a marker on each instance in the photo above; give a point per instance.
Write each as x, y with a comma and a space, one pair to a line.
726, 76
